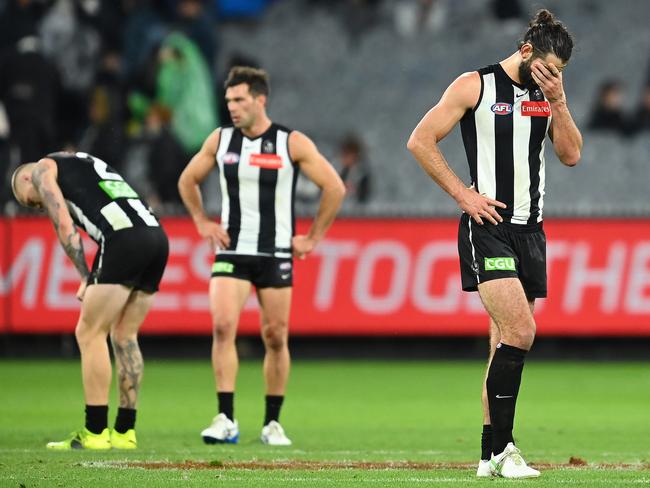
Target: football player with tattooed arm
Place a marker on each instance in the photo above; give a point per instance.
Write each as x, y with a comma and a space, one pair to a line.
505, 111
80, 190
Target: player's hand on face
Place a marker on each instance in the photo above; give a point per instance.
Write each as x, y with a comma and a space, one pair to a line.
81, 291
302, 245
218, 237
479, 206
549, 80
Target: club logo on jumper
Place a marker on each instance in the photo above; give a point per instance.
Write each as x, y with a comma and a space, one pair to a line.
222, 267
501, 108
536, 109
266, 161
500, 264
285, 266
230, 158
268, 147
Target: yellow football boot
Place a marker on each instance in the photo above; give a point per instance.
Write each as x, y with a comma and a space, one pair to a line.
83, 439
123, 441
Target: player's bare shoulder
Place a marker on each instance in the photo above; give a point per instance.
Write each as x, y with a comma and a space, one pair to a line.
211, 143
44, 167
300, 146
465, 90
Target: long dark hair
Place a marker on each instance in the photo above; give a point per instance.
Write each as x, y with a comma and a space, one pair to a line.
548, 35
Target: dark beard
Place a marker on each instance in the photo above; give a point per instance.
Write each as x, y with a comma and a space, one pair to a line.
525, 78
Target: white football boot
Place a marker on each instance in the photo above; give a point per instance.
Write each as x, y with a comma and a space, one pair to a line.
483, 470
273, 435
510, 464
221, 431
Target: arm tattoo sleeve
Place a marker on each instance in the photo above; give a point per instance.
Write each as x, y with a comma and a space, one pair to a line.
75, 250
71, 243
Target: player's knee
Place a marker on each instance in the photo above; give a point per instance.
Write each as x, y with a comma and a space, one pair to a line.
86, 332
523, 337
223, 329
274, 335
122, 337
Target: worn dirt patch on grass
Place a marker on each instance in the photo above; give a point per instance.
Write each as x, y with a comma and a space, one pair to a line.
574, 463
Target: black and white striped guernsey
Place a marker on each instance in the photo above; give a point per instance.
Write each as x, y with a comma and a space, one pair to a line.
504, 137
258, 180
97, 197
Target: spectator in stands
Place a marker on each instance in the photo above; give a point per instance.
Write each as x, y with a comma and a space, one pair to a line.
104, 137
19, 19
144, 31
414, 16
357, 16
185, 85
74, 45
166, 159
641, 118
5, 163
241, 9
354, 169
197, 24
29, 90
506, 10
607, 114
509, 14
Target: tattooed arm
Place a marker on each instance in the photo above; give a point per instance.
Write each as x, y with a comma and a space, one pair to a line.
44, 180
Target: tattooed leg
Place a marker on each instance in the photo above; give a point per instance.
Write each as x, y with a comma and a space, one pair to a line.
128, 358
99, 311
129, 364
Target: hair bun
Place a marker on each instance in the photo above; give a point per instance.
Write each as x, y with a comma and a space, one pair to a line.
542, 17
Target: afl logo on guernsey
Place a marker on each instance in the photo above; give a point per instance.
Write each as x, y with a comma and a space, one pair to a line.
501, 108
230, 158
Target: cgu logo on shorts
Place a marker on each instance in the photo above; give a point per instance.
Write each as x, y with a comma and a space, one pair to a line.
223, 267
500, 264
501, 108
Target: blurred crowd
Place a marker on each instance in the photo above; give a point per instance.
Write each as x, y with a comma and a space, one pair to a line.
609, 114
138, 83
132, 81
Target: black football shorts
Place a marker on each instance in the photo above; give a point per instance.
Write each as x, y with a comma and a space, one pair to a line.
261, 271
488, 252
135, 257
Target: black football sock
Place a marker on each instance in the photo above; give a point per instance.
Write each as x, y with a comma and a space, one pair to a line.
503, 380
96, 418
125, 419
226, 403
273, 406
486, 443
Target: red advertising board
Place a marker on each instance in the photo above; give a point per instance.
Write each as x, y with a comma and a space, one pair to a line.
5, 311
368, 277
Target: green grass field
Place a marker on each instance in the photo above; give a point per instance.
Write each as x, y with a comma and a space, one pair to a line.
339, 414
